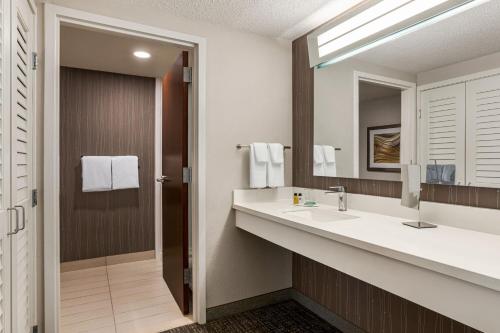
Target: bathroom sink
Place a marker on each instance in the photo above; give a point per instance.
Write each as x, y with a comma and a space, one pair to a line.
319, 215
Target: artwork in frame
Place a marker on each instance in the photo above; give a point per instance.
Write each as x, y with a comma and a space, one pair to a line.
383, 148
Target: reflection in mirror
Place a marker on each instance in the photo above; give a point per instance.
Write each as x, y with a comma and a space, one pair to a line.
431, 97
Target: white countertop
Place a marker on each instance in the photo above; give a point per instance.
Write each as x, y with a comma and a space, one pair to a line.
464, 254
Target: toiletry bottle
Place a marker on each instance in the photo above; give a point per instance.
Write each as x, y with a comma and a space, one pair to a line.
295, 199
301, 199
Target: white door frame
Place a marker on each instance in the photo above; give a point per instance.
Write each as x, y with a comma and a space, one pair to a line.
408, 116
54, 17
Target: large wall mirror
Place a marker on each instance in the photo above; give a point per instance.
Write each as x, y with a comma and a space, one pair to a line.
429, 97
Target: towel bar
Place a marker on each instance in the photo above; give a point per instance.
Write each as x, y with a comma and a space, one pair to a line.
240, 146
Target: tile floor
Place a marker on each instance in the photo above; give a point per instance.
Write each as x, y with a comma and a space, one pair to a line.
123, 298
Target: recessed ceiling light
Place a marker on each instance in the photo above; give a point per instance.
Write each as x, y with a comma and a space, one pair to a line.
142, 54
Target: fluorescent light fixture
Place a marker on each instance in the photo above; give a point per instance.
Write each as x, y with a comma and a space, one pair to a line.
142, 54
402, 32
371, 21
364, 17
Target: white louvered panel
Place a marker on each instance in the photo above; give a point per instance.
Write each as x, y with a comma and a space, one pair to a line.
483, 132
5, 124
21, 116
21, 138
443, 128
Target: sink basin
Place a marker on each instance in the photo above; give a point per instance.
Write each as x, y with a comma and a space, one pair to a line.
319, 215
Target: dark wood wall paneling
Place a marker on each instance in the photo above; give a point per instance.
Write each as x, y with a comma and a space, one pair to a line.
303, 140
105, 114
368, 307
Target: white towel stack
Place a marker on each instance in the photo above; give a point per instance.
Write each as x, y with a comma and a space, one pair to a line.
125, 172
330, 161
96, 173
319, 161
276, 165
259, 157
324, 160
106, 173
267, 165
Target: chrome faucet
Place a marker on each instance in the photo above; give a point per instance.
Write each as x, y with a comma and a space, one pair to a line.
342, 192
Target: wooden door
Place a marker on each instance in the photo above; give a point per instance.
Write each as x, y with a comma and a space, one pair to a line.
174, 189
443, 129
483, 132
22, 76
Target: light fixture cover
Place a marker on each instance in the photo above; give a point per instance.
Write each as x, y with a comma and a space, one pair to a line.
142, 54
376, 22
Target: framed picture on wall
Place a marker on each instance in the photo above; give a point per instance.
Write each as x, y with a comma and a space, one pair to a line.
383, 148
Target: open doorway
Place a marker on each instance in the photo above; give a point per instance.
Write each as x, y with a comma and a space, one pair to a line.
385, 118
379, 131
124, 227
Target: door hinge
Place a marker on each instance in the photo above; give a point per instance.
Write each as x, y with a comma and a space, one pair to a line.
187, 275
35, 329
186, 175
419, 113
34, 59
34, 198
188, 74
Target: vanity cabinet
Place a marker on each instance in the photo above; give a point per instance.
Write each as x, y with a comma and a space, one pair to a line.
460, 125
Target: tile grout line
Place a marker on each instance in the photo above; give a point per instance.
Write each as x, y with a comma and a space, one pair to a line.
111, 299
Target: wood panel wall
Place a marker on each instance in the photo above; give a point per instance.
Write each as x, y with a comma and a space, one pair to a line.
105, 114
370, 308
303, 141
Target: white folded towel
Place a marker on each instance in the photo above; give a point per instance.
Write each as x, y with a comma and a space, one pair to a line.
319, 156
276, 166
319, 161
125, 170
259, 157
329, 152
330, 161
276, 151
96, 173
410, 176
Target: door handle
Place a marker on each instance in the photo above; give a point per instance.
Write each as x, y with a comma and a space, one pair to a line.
24, 217
163, 179
17, 221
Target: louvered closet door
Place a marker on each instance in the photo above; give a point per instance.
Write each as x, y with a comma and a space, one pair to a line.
21, 136
442, 123
483, 132
5, 222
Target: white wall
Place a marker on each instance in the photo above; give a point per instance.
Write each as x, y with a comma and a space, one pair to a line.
249, 98
472, 66
333, 106
377, 112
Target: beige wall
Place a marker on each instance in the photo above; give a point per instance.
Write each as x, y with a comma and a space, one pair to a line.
377, 112
248, 99
333, 106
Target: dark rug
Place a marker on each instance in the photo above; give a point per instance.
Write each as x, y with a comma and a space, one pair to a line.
289, 317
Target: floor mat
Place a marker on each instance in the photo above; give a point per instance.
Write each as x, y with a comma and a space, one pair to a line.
286, 317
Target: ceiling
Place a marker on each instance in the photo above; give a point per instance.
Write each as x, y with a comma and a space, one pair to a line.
465, 36
111, 52
370, 91
271, 18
